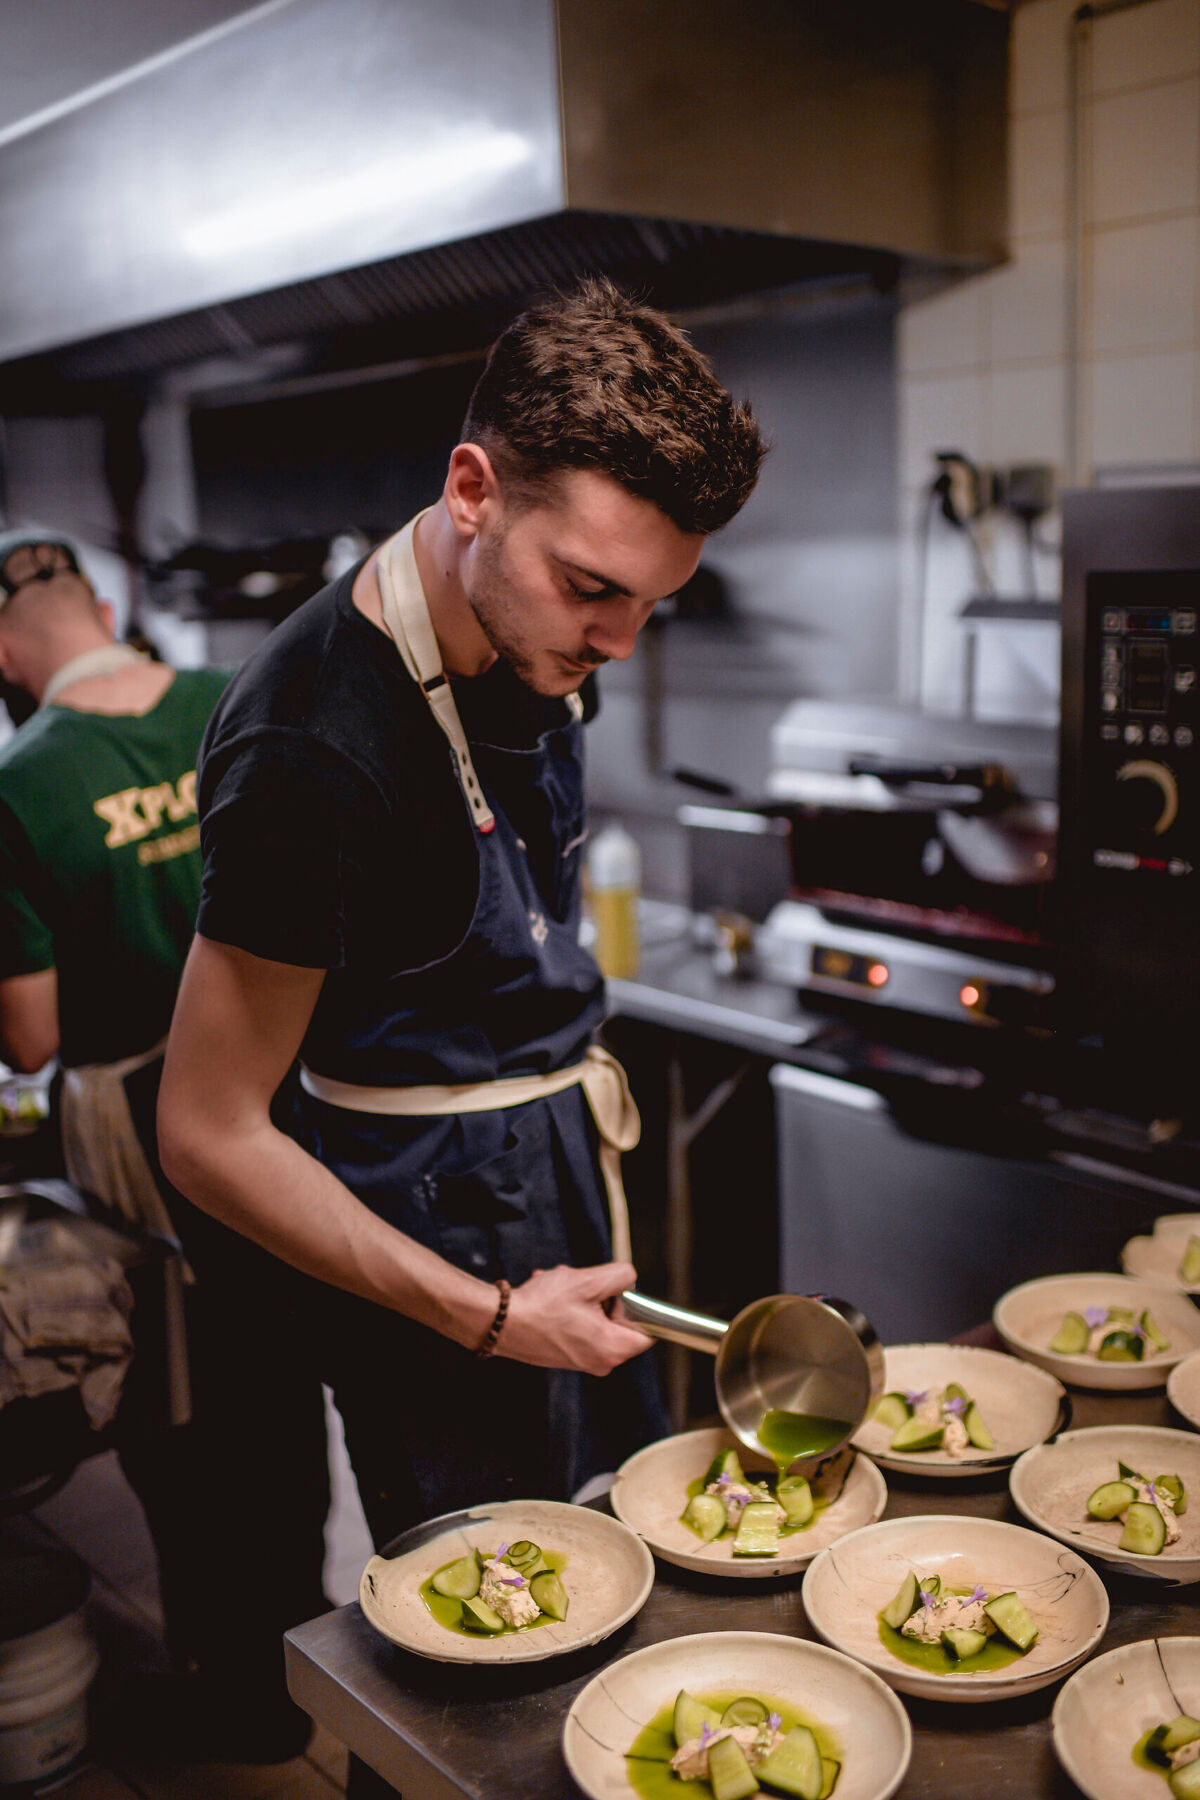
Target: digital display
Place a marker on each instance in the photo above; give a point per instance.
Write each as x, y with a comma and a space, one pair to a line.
1147, 619
1147, 678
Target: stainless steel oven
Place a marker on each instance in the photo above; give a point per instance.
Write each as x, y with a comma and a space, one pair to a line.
1128, 896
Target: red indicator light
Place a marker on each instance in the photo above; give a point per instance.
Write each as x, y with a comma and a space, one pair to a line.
877, 975
970, 996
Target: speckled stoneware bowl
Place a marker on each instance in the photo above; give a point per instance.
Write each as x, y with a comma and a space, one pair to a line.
1183, 1388
849, 1584
869, 1722
1051, 1483
1029, 1316
607, 1575
1156, 1258
651, 1492
1112, 1702
1019, 1403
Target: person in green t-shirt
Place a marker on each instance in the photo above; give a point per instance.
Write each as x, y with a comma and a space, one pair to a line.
100, 872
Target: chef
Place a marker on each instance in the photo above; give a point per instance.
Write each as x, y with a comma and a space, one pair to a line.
391, 796
99, 882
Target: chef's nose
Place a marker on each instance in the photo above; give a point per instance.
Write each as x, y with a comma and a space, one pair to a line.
615, 634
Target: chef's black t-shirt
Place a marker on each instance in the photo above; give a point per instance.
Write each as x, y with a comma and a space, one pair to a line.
334, 832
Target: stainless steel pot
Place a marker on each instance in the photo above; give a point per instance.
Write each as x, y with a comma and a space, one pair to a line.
796, 1353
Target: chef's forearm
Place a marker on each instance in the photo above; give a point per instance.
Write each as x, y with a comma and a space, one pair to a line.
262, 1184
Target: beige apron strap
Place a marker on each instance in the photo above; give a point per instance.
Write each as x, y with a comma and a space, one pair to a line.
599, 1074
406, 615
104, 1156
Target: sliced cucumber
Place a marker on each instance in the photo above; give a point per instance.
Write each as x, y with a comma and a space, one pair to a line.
522, 1556
1128, 1474
1185, 1783
796, 1498
794, 1766
1110, 1499
477, 1615
963, 1641
830, 1770
460, 1580
1145, 1530
932, 1584
1173, 1485
918, 1434
725, 1462
892, 1411
549, 1594
758, 1530
977, 1432
1071, 1338
1121, 1315
729, 1774
1120, 1346
903, 1603
1180, 1731
1153, 1335
705, 1515
690, 1718
1009, 1616
1189, 1268
747, 1710
952, 1391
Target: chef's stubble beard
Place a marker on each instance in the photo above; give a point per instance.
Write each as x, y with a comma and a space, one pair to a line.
496, 607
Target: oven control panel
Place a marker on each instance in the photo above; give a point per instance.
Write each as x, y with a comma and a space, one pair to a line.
1143, 659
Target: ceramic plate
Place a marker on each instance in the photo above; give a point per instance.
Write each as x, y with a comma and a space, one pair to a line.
1106, 1707
1027, 1317
608, 1574
651, 1492
853, 1704
849, 1584
1157, 1258
1020, 1405
1183, 1388
1050, 1485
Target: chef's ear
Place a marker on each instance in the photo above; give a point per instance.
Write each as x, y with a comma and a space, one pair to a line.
471, 488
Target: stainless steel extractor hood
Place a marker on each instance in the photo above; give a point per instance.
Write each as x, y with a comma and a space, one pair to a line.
342, 165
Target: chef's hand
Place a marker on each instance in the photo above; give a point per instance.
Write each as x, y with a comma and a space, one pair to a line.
557, 1320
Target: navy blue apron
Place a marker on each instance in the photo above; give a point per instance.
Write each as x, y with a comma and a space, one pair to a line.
429, 1427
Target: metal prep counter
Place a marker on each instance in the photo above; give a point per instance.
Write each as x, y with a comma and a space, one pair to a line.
437, 1731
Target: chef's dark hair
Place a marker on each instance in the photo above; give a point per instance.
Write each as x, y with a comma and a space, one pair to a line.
593, 380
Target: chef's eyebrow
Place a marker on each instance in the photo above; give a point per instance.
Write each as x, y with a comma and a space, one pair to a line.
604, 581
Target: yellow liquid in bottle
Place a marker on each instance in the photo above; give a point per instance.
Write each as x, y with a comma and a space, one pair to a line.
614, 912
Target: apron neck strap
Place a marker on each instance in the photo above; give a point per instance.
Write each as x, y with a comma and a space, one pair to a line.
406, 616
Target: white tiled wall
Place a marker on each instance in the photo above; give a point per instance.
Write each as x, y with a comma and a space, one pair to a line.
983, 367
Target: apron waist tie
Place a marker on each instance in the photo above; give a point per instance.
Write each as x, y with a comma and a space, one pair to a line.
104, 1156
600, 1075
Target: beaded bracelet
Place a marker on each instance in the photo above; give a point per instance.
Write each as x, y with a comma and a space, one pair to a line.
497, 1325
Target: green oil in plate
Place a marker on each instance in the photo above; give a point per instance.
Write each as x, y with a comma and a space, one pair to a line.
448, 1611
935, 1659
788, 1436
648, 1759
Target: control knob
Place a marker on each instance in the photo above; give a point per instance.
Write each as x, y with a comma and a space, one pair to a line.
1151, 801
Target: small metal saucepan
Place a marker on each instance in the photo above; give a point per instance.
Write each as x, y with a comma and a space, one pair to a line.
793, 1353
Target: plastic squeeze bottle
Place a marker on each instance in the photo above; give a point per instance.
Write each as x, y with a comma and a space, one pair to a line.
614, 882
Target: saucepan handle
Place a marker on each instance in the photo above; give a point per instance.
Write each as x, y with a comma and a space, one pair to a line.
696, 1331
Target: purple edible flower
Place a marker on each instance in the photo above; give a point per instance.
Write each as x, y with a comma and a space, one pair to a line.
706, 1731
1095, 1315
724, 1479
956, 1406
927, 1600
979, 1593
502, 1551
917, 1396
774, 1720
513, 1580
